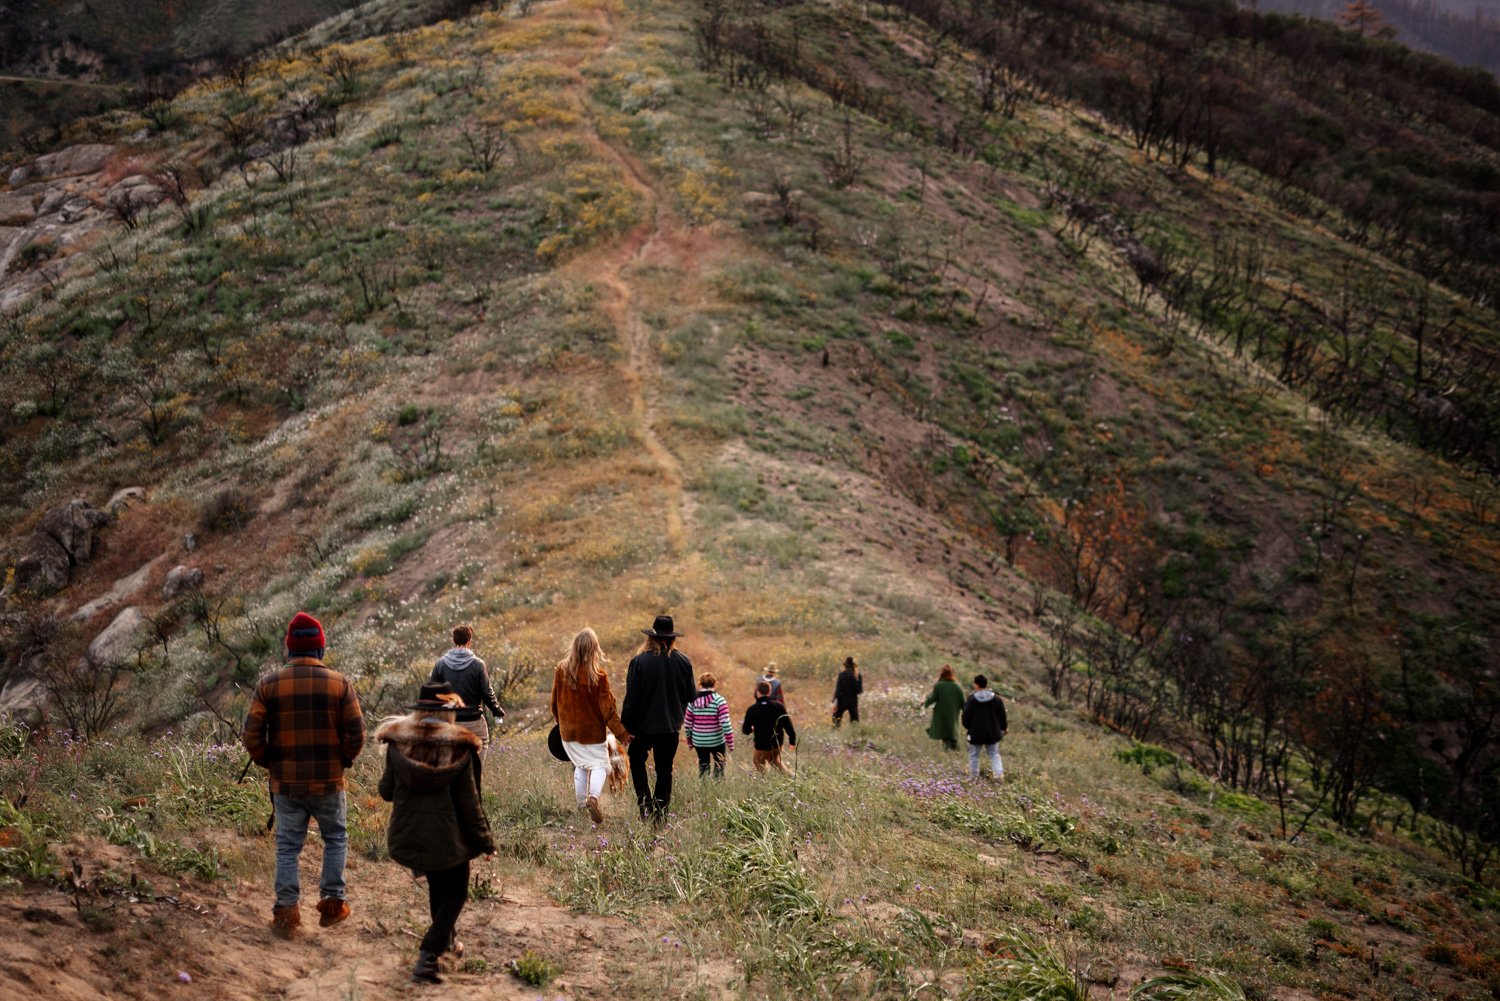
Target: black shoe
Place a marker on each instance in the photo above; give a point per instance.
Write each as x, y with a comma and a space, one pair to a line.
426, 970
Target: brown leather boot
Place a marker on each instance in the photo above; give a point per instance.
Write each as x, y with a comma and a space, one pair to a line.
285, 921
332, 910
592, 806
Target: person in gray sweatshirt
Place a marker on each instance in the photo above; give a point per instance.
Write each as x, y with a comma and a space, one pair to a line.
470, 679
984, 719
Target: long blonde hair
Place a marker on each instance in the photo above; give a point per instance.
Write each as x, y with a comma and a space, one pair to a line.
584, 664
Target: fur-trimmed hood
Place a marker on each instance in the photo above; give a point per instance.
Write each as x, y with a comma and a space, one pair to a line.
426, 753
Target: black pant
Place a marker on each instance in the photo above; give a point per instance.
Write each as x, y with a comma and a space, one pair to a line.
447, 892
652, 804
851, 708
713, 754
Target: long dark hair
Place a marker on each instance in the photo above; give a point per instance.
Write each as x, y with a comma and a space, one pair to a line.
659, 645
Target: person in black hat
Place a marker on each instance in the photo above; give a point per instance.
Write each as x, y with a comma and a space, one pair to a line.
658, 687
432, 776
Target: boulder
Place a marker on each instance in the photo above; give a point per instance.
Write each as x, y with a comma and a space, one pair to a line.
120, 640
22, 699
88, 158
19, 176
16, 209
181, 578
43, 567
123, 498
72, 525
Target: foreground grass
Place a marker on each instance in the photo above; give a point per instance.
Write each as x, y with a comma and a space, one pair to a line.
879, 870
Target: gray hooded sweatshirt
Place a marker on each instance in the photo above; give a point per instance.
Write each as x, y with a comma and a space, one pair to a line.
470, 679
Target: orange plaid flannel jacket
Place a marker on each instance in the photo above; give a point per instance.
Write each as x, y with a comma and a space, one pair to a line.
305, 727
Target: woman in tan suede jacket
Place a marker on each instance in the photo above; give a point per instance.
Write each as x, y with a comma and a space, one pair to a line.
586, 713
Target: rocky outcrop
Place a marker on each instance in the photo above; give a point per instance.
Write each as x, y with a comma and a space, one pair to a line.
179, 579
60, 200
42, 568
120, 640
123, 498
63, 538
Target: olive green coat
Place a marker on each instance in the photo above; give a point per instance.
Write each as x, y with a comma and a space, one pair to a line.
432, 776
947, 701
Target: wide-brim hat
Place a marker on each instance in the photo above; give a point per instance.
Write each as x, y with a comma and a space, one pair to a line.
437, 696
662, 628
555, 744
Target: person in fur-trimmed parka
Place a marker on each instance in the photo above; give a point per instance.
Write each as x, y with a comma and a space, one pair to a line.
432, 776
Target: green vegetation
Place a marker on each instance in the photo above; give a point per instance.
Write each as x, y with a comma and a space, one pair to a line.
547, 317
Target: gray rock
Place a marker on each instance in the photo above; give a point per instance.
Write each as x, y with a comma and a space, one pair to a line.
43, 567
122, 499
72, 525
120, 640
22, 699
19, 176
74, 209
16, 209
181, 578
88, 158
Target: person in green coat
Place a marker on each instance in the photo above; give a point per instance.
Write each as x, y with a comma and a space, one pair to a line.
947, 701
432, 777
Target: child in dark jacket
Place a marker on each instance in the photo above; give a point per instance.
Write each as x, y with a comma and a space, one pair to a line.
769, 721
984, 719
432, 776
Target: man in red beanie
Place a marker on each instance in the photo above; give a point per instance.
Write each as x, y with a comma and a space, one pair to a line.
305, 727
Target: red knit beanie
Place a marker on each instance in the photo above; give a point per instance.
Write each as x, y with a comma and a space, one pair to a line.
304, 636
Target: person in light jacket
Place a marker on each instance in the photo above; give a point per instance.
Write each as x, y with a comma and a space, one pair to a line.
984, 719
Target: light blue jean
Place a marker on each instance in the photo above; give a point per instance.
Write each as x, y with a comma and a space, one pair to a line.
292, 816
993, 750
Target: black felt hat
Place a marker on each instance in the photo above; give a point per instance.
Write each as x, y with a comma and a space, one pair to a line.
555, 745
437, 696
662, 628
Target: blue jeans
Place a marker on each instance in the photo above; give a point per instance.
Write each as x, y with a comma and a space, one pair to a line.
292, 815
993, 750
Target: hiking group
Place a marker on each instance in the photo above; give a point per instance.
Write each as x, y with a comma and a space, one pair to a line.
305, 727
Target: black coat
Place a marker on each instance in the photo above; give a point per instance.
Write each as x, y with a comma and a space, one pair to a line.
847, 688
984, 718
432, 776
768, 720
657, 691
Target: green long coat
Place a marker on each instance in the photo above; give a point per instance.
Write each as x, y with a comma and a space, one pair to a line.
947, 701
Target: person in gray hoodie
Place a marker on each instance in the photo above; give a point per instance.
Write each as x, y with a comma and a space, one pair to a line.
470, 679
984, 719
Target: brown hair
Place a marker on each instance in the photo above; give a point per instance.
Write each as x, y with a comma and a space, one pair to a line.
706, 680
763, 688
659, 645
462, 635
946, 674
584, 664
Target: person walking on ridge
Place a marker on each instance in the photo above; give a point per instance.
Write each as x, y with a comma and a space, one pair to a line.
846, 692
770, 722
947, 701
432, 779
658, 687
706, 721
771, 679
305, 727
584, 708
470, 679
984, 719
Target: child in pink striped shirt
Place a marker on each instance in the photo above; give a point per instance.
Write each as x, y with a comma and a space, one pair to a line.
706, 723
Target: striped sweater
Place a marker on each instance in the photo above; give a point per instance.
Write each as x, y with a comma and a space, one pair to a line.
707, 721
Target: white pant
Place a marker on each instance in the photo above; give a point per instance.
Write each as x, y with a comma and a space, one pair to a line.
993, 750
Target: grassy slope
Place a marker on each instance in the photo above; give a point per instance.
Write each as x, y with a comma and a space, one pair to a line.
620, 355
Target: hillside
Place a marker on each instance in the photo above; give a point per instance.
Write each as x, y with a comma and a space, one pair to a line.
831, 331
